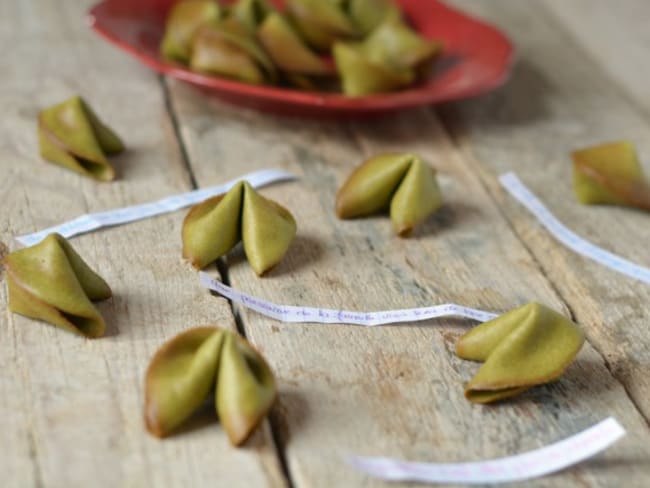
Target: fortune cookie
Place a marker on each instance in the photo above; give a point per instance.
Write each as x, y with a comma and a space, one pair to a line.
610, 174
228, 49
204, 361
368, 14
361, 77
49, 281
321, 22
71, 135
395, 44
215, 226
391, 57
287, 49
528, 346
183, 21
250, 13
402, 182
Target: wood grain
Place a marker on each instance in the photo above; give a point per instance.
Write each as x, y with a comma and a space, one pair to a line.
393, 391
560, 99
71, 409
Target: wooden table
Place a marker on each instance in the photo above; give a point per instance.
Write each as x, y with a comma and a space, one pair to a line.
71, 409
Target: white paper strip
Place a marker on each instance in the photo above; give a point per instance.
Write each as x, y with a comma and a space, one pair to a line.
533, 464
289, 313
517, 189
94, 221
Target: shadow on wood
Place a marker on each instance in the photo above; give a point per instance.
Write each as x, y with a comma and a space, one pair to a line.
290, 404
304, 251
520, 101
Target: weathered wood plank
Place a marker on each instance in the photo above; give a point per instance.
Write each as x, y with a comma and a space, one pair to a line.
616, 37
558, 100
394, 390
71, 409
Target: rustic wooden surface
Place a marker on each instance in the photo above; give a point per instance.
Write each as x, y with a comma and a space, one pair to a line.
71, 409
559, 110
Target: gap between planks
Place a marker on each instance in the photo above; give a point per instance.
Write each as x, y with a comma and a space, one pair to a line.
222, 269
169, 105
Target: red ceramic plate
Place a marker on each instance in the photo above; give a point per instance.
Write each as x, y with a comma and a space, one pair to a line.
476, 59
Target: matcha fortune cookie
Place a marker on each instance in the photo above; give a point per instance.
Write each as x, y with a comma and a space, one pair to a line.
368, 14
395, 44
203, 361
215, 226
287, 49
321, 22
71, 135
610, 174
183, 21
228, 49
402, 182
360, 76
50, 281
391, 57
251, 13
528, 346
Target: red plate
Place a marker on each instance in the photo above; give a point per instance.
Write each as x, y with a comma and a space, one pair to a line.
476, 58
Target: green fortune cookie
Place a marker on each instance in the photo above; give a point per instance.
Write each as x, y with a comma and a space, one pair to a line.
401, 182
368, 14
228, 49
198, 363
183, 21
72, 136
51, 282
287, 49
250, 13
528, 346
215, 226
361, 77
321, 22
610, 174
395, 44
391, 57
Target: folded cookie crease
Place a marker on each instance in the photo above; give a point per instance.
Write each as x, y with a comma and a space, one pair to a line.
71, 135
402, 183
528, 346
202, 362
610, 174
50, 282
215, 226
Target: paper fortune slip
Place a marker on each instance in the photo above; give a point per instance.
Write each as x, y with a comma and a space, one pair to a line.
517, 189
532, 464
297, 314
94, 221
